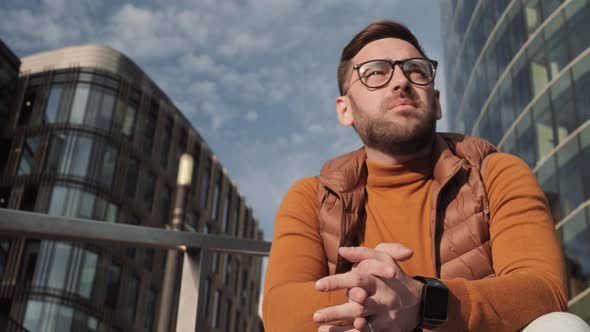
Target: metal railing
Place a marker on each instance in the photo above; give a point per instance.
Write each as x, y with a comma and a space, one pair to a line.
193, 245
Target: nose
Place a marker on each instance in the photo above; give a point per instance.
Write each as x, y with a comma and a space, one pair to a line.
399, 81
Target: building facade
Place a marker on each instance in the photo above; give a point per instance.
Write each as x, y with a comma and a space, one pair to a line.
518, 75
91, 136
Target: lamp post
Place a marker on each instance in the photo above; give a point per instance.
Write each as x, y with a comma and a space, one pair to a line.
183, 181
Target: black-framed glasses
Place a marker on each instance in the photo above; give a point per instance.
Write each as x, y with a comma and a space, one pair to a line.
377, 73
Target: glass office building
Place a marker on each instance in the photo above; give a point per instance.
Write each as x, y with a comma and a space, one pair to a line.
90, 135
518, 75
9, 65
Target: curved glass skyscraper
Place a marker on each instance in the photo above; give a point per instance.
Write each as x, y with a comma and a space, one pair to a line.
518, 75
91, 136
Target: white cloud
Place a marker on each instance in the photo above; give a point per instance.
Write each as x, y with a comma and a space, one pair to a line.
251, 116
205, 90
201, 63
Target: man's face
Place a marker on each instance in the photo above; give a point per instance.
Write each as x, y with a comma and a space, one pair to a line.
399, 118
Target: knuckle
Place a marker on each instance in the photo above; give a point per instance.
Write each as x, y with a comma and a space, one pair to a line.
360, 311
357, 279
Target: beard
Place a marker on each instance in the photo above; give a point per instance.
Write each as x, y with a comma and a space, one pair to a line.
392, 137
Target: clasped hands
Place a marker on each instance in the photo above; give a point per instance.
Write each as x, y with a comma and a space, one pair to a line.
381, 296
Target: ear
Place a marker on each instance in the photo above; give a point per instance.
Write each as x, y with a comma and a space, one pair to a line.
344, 111
437, 104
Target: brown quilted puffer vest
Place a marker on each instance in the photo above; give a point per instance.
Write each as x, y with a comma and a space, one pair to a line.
460, 237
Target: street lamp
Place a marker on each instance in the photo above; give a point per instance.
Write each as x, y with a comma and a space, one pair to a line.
183, 182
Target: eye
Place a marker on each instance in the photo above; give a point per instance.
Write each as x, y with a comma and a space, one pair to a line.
370, 73
375, 69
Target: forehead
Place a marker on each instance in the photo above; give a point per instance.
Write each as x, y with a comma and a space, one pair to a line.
386, 48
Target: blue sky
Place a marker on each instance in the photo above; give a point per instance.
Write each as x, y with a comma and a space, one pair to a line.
257, 78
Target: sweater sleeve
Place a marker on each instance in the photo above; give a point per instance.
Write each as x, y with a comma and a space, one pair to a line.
296, 261
527, 259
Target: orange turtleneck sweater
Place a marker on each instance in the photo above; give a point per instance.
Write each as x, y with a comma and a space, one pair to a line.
526, 254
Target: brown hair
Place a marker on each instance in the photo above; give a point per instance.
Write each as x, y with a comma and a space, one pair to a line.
374, 31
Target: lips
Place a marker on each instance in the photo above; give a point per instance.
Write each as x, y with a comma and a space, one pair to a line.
401, 102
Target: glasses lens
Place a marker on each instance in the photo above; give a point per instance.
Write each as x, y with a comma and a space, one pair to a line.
375, 74
419, 71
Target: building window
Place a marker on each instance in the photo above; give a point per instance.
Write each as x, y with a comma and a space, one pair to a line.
166, 140
5, 153
581, 74
150, 127
165, 205
226, 215
576, 14
53, 103
585, 156
571, 192
77, 203
150, 310
228, 270
132, 293
29, 197
4, 251
574, 234
124, 119
69, 155
216, 194
63, 267
26, 110
112, 288
206, 286
28, 153
205, 184
563, 100
148, 259
79, 103
50, 316
543, 120
556, 38
41, 315
547, 177
148, 191
526, 140
131, 177
215, 310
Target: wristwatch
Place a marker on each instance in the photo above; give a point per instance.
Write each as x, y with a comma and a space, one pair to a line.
435, 299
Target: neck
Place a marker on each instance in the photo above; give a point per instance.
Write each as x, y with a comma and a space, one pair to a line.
395, 159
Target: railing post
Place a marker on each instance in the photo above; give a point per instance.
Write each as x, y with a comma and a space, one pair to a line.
188, 302
183, 182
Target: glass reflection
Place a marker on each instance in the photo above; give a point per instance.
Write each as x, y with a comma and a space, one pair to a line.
543, 119
63, 267
53, 103
570, 186
574, 235
563, 100
28, 153
50, 317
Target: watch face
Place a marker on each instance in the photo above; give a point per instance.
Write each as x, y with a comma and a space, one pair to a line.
437, 303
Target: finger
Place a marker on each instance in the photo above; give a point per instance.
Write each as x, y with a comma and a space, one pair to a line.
346, 280
358, 295
347, 310
332, 328
360, 323
397, 251
377, 268
358, 254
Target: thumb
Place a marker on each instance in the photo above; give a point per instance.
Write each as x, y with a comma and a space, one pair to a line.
397, 251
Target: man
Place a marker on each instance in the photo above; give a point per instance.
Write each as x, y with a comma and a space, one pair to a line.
416, 229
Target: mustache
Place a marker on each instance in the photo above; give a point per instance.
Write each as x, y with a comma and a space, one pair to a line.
410, 95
